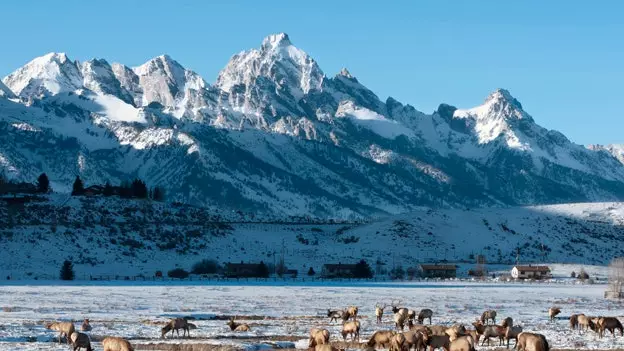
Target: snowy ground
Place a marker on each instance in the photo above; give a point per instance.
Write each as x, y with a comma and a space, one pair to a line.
285, 313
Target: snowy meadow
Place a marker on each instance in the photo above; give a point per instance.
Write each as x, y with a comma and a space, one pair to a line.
282, 315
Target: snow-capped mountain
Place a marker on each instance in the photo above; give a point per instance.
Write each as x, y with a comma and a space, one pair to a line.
274, 134
617, 150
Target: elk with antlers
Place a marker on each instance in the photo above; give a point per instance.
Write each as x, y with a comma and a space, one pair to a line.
379, 310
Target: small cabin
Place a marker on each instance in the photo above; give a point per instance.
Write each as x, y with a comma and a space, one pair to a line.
437, 270
339, 270
530, 272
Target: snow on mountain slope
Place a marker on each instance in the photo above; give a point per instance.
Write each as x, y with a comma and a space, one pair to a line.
275, 135
129, 237
5, 92
617, 150
46, 75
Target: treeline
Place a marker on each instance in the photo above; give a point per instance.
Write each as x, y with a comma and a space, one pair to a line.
137, 188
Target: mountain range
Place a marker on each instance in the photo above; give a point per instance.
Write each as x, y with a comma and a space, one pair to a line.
274, 134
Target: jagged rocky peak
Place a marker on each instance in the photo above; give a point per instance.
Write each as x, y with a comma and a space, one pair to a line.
288, 67
345, 73
503, 96
49, 74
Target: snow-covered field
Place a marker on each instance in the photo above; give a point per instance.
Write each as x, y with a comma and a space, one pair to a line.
285, 313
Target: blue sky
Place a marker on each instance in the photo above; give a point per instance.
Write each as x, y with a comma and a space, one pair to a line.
564, 60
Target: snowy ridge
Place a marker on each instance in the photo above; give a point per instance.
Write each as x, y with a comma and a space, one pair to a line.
276, 135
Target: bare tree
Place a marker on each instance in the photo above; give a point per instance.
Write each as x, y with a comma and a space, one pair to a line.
616, 279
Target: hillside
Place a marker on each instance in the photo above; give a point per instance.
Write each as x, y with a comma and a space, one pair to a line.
275, 135
110, 236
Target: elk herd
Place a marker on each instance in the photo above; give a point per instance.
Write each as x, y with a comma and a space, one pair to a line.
418, 336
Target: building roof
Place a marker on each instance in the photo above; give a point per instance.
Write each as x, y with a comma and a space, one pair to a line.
438, 267
533, 268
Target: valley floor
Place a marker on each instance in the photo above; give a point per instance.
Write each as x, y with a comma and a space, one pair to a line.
280, 316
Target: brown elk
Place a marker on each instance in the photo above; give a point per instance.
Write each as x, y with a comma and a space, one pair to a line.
112, 343
397, 342
574, 321
381, 338
80, 340
436, 341
553, 312
512, 333
397, 309
334, 315
175, 325
238, 327
487, 316
351, 328
507, 322
610, 324
326, 347
318, 337
584, 322
64, 328
425, 313
379, 310
399, 320
86, 326
532, 342
351, 312
414, 339
463, 343
489, 331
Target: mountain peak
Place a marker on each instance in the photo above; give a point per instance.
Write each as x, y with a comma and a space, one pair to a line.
276, 40
60, 57
503, 95
345, 73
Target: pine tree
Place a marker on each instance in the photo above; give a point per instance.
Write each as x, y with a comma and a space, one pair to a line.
67, 270
108, 189
78, 188
262, 270
311, 272
139, 189
362, 270
158, 194
43, 184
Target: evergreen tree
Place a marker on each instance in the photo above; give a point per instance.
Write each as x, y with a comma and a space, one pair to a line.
139, 189
43, 184
67, 270
158, 194
362, 270
78, 188
125, 190
108, 189
262, 271
311, 272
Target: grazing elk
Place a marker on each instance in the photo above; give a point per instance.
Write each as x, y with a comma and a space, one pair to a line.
80, 341
436, 341
379, 310
351, 328
414, 339
381, 338
64, 328
553, 312
425, 313
112, 343
86, 326
610, 324
238, 327
397, 342
489, 331
318, 337
487, 316
532, 342
175, 325
334, 315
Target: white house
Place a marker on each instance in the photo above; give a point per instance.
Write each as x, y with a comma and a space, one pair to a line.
530, 272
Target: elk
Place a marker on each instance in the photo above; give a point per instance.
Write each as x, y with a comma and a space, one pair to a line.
488, 331
325, 347
64, 328
436, 341
112, 343
318, 337
411, 315
397, 342
487, 316
397, 309
583, 321
381, 338
553, 312
455, 332
379, 310
532, 342
574, 321
80, 340
237, 327
414, 338
424, 314
610, 324
175, 325
507, 322
512, 333
85, 325
399, 320
334, 315
351, 328
351, 312
463, 343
